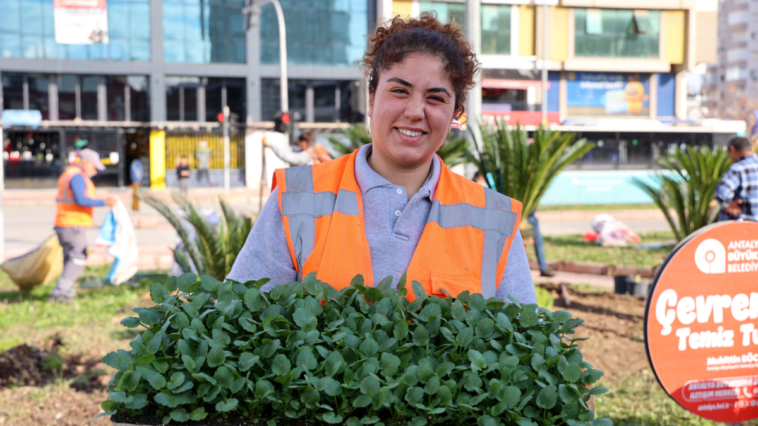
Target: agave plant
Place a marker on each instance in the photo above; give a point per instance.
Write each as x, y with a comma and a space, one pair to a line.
453, 152
687, 187
215, 247
523, 169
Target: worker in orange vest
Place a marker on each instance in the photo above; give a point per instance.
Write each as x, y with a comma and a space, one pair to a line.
310, 152
76, 200
392, 206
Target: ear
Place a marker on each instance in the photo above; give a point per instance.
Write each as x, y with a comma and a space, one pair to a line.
370, 104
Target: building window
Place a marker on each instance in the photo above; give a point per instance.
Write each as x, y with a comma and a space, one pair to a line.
68, 95
616, 33
39, 99
202, 99
318, 33
454, 13
496, 29
27, 31
138, 99
205, 31
13, 90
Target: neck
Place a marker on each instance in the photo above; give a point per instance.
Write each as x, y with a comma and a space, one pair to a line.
410, 178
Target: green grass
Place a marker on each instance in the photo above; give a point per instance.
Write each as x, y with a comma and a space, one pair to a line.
593, 207
26, 317
573, 248
638, 400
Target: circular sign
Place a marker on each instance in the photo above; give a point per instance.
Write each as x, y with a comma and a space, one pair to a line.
701, 323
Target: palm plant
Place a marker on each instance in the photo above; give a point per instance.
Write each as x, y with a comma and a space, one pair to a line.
520, 168
453, 152
215, 247
687, 187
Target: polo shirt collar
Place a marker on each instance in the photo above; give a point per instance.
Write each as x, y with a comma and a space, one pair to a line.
368, 179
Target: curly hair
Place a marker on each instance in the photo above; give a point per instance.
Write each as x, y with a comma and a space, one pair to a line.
391, 44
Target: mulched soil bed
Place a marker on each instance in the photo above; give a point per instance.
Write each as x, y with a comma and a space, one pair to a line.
26, 365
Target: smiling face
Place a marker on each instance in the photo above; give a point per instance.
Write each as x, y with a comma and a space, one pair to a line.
411, 111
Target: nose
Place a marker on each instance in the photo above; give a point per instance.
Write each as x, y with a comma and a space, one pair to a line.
414, 110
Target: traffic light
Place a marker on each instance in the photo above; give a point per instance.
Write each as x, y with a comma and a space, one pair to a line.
282, 122
233, 123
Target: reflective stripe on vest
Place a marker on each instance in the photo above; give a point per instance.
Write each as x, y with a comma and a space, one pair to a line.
309, 222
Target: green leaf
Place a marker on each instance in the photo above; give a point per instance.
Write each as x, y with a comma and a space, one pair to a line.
247, 361
419, 291
465, 337
598, 390
224, 376
198, 414
368, 348
485, 328
572, 372
306, 360
130, 322
177, 379
189, 363
420, 336
180, 415
510, 395
333, 363
362, 401
400, 331
156, 380
281, 365
228, 405
370, 385
478, 362
119, 397
158, 293
332, 418
216, 357
547, 398
129, 380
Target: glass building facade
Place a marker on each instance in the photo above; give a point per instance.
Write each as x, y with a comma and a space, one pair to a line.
27, 30
319, 32
446, 12
496, 29
616, 33
204, 31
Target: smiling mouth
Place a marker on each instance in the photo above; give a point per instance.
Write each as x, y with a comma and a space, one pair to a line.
411, 133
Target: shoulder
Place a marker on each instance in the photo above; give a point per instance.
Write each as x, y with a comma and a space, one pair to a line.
492, 198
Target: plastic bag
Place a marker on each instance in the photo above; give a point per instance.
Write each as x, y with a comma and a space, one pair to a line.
41, 265
611, 232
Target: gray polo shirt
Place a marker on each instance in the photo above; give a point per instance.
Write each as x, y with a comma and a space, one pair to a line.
393, 228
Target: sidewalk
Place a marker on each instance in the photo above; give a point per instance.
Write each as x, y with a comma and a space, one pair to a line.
605, 282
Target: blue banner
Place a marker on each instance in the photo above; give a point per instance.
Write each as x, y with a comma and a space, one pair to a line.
20, 117
600, 94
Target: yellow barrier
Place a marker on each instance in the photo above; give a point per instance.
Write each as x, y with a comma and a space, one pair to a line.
179, 144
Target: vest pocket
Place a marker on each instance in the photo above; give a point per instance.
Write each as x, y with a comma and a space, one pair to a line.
444, 285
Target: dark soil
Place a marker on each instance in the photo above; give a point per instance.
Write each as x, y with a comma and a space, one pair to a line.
614, 325
26, 365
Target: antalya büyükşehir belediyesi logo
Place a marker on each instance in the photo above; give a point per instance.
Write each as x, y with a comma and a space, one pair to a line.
710, 257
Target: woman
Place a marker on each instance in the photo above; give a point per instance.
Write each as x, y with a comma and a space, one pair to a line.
392, 206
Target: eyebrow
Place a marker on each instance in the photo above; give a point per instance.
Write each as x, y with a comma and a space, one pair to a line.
407, 84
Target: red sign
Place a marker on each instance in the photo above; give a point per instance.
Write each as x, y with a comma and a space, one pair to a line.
525, 118
700, 323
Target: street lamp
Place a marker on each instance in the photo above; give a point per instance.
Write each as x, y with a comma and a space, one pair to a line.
253, 12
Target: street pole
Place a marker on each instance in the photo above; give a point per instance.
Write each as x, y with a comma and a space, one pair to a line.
474, 35
226, 150
282, 55
544, 63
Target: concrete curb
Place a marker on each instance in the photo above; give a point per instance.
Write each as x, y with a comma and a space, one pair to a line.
591, 268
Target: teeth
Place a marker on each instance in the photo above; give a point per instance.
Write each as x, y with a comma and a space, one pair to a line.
410, 133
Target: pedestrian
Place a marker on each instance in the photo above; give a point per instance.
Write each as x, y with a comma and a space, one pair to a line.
183, 175
76, 200
392, 206
203, 156
737, 193
310, 152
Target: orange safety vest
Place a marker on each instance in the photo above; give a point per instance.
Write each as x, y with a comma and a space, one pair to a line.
71, 214
319, 154
464, 245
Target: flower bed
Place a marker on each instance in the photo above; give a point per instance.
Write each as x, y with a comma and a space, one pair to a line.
304, 353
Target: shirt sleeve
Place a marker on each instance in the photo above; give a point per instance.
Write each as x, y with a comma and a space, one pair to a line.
517, 279
78, 187
265, 253
725, 191
286, 154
